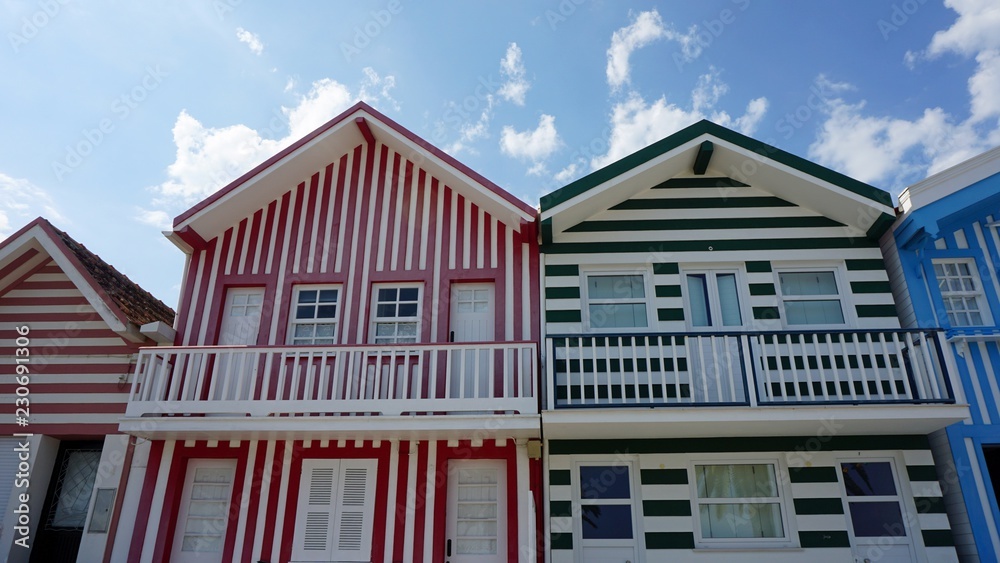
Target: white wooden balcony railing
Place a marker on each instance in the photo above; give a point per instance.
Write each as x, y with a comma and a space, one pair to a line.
376, 380
747, 369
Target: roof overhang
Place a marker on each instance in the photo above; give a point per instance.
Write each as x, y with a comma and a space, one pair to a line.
359, 124
34, 244
733, 155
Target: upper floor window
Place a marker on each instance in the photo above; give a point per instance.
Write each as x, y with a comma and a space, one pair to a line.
314, 318
962, 292
396, 315
713, 299
616, 300
811, 297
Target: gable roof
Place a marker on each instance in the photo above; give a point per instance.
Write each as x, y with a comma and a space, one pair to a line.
358, 124
731, 154
122, 304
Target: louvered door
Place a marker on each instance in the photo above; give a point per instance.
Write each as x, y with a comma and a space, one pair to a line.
335, 510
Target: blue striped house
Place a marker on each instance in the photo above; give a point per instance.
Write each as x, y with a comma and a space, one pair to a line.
725, 373
943, 254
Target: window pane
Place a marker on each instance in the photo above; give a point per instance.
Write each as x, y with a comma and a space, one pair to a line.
604, 482
697, 285
307, 296
387, 294
868, 479
606, 521
626, 315
615, 287
304, 312
813, 312
408, 294
328, 296
808, 283
736, 481
326, 311
408, 309
741, 520
386, 311
729, 300
877, 519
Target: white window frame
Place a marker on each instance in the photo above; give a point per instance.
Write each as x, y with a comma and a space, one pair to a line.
711, 271
979, 294
376, 320
638, 541
844, 294
293, 322
585, 301
791, 539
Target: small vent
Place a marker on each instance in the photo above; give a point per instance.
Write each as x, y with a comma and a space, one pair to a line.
355, 486
351, 531
321, 486
317, 528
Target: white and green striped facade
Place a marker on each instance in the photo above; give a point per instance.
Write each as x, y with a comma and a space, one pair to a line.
723, 363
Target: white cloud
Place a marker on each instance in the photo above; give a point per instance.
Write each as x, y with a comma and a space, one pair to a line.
534, 145
636, 123
515, 85
207, 158
566, 174
646, 28
899, 151
20, 202
155, 217
252, 40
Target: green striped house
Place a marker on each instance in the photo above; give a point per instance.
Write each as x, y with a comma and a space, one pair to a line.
724, 368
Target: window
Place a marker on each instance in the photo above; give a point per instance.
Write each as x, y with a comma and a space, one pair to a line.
739, 501
314, 317
397, 314
713, 299
873, 500
606, 502
336, 509
616, 301
811, 298
961, 291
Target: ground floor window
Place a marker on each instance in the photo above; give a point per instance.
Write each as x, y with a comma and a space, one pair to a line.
739, 501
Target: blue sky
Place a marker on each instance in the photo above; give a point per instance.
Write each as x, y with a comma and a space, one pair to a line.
117, 116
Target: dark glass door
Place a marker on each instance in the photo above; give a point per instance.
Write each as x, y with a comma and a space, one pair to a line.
64, 513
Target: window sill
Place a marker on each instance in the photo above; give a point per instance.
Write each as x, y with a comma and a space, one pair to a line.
755, 549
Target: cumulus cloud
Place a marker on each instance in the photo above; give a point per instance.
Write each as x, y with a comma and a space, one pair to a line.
20, 202
645, 29
898, 151
207, 158
636, 123
251, 39
154, 217
515, 85
535, 145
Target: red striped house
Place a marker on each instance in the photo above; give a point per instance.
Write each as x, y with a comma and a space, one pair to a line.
355, 369
71, 329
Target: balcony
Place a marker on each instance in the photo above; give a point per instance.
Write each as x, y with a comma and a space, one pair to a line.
361, 391
753, 382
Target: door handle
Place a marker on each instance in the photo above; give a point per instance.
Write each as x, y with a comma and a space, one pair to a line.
447, 550
451, 336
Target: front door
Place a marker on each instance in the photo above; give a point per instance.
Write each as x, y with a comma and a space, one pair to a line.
605, 498
472, 320
876, 512
241, 318
64, 514
477, 512
200, 534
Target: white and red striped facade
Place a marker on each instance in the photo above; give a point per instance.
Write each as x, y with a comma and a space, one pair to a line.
71, 329
359, 206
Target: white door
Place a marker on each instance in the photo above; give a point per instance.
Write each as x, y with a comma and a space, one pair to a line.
204, 514
241, 317
878, 517
477, 512
607, 525
335, 510
472, 320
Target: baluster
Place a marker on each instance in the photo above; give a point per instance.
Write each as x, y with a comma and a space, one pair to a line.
729, 368
649, 371
825, 393
677, 369
929, 367
888, 368
805, 366
661, 357
874, 360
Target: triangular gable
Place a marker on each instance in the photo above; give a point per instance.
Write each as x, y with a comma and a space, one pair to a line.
39, 241
712, 150
359, 124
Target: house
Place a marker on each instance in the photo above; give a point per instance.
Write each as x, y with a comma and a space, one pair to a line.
72, 326
943, 254
355, 370
725, 373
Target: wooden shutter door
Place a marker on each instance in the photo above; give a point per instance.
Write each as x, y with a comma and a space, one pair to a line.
317, 507
356, 509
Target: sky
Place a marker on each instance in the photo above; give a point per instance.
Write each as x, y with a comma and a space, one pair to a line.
116, 117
